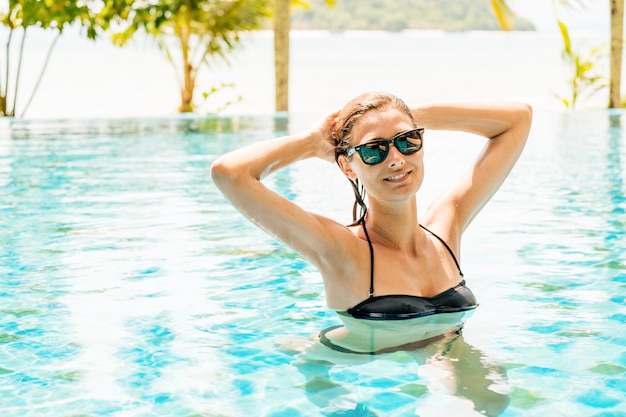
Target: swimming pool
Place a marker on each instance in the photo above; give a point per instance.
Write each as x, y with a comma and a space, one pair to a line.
129, 287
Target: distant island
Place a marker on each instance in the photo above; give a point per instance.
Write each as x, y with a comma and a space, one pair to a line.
398, 15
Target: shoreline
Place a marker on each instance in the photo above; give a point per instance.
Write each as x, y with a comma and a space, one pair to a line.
43, 128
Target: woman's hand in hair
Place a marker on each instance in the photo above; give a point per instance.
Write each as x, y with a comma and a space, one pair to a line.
321, 132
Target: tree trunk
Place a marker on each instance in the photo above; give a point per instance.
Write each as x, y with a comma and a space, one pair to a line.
19, 70
188, 84
617, 35
4, 94
43, 71
282, 26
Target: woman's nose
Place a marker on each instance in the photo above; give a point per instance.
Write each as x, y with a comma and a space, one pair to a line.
395, 156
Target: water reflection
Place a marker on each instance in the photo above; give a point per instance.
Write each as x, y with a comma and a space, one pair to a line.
448, 376
207, 124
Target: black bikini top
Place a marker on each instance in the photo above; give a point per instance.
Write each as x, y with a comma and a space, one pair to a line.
401, 307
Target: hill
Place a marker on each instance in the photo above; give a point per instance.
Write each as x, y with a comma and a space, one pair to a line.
397, 15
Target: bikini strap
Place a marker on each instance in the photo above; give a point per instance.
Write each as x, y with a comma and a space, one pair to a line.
447, 247
369, 242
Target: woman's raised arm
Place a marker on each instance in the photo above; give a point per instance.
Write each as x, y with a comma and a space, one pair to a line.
506, 125
238, 175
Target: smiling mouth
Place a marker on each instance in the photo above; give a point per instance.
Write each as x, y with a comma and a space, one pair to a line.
398, 177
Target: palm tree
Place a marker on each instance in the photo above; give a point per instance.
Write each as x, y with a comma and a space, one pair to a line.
20, 18
501, 10
617, 39
191, 32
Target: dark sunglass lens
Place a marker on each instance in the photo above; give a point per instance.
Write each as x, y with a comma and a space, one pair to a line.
373, 153
410, 142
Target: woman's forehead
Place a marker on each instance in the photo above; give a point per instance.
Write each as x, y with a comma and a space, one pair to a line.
380, 124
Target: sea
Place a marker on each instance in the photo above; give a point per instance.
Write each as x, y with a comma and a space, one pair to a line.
96, 79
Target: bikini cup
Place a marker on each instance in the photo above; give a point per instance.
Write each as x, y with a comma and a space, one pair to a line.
402, 307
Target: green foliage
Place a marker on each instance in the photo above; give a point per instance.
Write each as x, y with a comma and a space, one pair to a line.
396, 15
584, 80
24, 15
192, 31
43, 14
218, 104
215, 23
201, 28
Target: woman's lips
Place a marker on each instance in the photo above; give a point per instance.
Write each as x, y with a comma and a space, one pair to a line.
398, 177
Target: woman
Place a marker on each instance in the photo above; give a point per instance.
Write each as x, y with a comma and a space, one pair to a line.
394, 275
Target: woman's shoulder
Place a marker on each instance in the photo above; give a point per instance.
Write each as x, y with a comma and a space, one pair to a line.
341, 243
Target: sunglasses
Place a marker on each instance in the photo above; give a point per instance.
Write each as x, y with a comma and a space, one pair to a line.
376, 151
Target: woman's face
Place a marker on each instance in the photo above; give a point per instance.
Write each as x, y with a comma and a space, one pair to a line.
398, 176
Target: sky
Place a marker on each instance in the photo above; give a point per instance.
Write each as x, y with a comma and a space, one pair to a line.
593, 15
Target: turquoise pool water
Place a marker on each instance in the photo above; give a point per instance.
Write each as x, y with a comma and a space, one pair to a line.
129, 287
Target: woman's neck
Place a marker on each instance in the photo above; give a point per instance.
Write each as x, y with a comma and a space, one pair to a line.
394, 226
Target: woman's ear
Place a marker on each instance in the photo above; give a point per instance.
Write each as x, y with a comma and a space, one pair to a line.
344, 164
